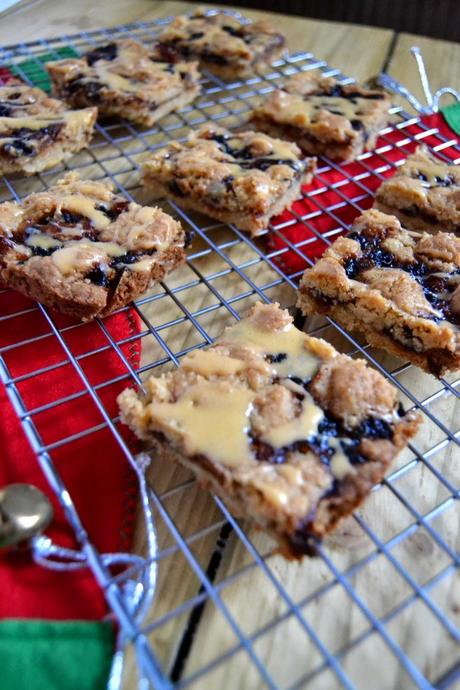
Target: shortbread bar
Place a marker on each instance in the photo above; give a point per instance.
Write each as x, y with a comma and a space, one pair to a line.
323, 116
399, 289
241, 178
83, 250
222, 43
424, 193
124, 78
38, 132
286, 430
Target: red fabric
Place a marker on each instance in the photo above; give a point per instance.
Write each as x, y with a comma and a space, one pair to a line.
5, 75
325, 210
93, 467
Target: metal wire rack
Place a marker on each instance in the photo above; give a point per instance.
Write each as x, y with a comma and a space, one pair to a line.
381, 601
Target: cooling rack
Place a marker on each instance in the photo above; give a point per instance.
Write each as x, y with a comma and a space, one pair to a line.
379, 606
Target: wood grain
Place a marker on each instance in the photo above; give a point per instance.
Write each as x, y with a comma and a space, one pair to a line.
442, 60
359, 51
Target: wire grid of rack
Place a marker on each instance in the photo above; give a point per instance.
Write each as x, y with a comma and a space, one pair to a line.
381, 599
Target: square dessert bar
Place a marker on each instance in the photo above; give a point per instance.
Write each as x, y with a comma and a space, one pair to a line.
289, 432
241, 178
83, 250
36, 131
124, 78
399, 289
323, 116
222, 43
424, 193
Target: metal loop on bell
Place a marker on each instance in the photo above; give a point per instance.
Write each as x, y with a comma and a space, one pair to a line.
25, 513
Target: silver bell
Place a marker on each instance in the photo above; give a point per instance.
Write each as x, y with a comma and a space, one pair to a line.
25, 511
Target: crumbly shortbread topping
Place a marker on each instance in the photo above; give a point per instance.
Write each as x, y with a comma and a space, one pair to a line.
401, 284
218, 170
31, 121
83, 249
425, 190
220, 41
273, 410
323, 116
125, 78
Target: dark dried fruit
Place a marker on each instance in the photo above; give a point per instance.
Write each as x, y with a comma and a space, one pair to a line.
98, 276
274, 359
107, 52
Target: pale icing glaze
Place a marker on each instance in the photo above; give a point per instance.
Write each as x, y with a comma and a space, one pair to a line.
306, 424
262, 186
455, 278
299, 361
85, 207
206, 35
261, 147
142, 265
42, 241
67, 256
211, 363
213, 421
288, 108
154, 72
71, 256
115, 81
339, 464
429, 169
6, 140
39, 122
36, 123
212, 33
292, 473
27, 98
273, 492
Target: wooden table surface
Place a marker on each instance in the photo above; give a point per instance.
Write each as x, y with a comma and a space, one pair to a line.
360, 52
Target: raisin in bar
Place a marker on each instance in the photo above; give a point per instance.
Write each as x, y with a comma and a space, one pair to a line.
323, 116
38, 132
222, 43
400, 289
126, 79
424, 193
241, 178
286, 430
83, 250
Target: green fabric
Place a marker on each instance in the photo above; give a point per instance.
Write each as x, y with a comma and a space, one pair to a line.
35, 70
55, 655
452, 116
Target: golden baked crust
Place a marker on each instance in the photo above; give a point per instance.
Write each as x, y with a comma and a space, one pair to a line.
38, 132
83, 250
222, 43
125, 78
241, 178
323, 116
286, 430
424, 193
400, 289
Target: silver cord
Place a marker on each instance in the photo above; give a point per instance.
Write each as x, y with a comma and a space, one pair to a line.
138, 593
393, 85
415, 50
